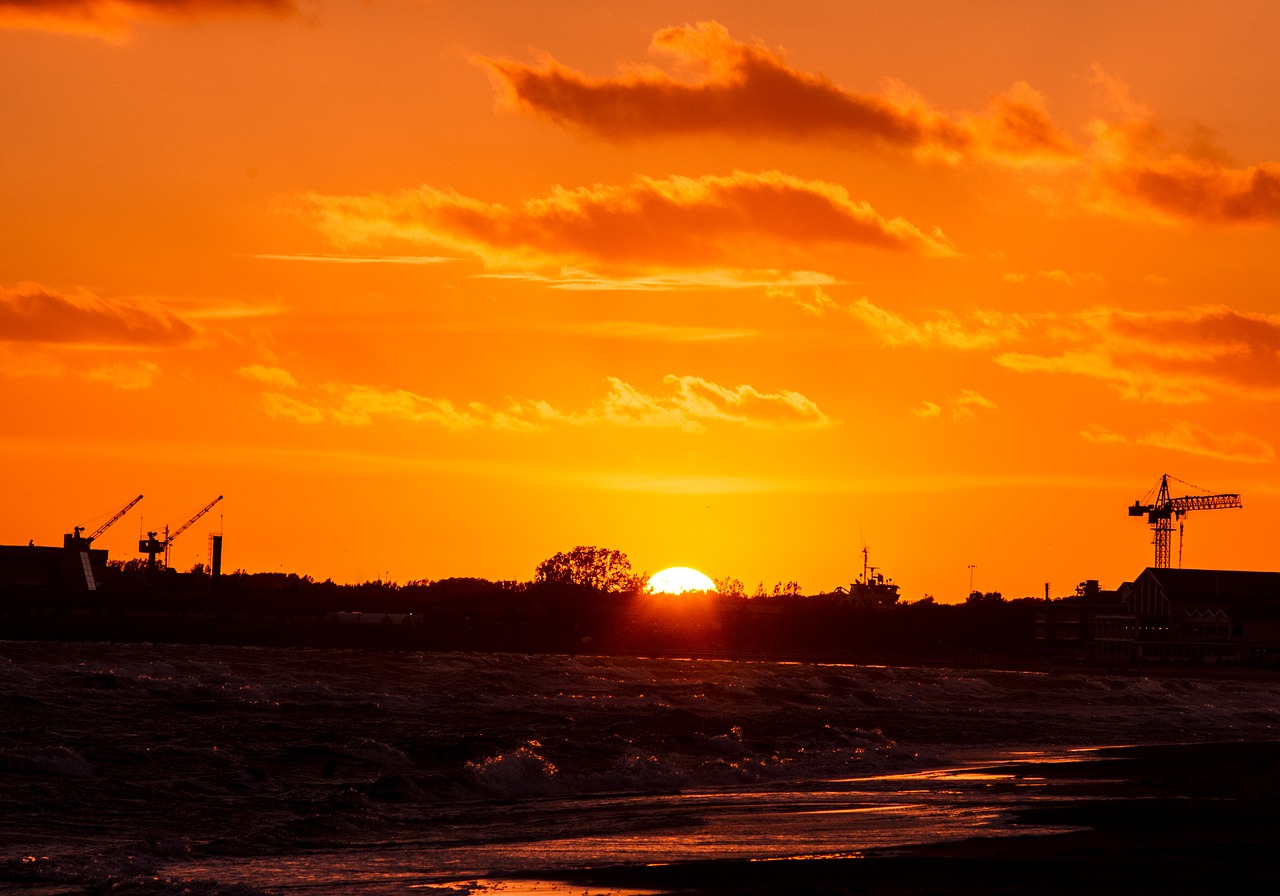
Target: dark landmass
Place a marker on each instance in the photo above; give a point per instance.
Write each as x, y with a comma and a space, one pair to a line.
1160, 819
596, 605
476, 614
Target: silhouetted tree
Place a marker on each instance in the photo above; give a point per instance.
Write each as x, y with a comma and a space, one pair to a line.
730, 587
991, 597
599, 568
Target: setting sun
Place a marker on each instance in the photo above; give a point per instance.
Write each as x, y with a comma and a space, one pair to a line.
678, 580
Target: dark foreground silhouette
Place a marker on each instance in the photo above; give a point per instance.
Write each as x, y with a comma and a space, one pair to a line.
539, 616
1161, 819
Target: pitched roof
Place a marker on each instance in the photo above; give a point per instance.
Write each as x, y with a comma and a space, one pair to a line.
1240, 592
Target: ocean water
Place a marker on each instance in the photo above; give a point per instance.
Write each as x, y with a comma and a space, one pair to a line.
177, 769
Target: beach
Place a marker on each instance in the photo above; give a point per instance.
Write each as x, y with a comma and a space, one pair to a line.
1180, 818
165, 769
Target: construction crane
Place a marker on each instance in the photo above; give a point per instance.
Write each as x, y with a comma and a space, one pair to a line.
76, 540
152, 545
1161, 513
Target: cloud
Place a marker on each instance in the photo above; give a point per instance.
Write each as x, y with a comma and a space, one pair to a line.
697, 402
1180, 188
982, 329
665, 281
35, 313
272, 376
962, 406
1134, 172
361, 259
127, 375
690, 403
1167, 357
751, 220
355, 405
1192, 439
747, 90
1189, 438
968, 402
1057, 275
813, 301
646, 331
1100, 435
283, 407
1172, 357
112, 18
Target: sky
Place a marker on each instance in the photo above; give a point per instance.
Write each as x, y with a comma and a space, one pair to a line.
430, 288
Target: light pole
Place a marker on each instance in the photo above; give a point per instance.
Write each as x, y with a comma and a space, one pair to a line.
971, 566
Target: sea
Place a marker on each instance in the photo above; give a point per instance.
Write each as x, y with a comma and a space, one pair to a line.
163, 769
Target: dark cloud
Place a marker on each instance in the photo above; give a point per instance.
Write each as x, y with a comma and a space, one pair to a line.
742, 89
34, 313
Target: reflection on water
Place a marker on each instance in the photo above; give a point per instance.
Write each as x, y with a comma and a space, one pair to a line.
822, 819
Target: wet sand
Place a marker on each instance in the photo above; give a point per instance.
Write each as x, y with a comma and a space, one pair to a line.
1196, 818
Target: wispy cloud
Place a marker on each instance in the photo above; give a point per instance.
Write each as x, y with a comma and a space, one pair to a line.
271, 376
127, 375
1127, 166
961, 406
112, 19
667, 281
813, 300
1137, 171
1188, 438
1056, 275
697, 402
362, 259
976, 330
745, 220
645, 331
690, 403
1192, 439
34, 313
747, 90
927, 410
1171, 357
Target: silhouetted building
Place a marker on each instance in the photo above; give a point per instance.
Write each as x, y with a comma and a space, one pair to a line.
1193, 615
1068, 627
73, 567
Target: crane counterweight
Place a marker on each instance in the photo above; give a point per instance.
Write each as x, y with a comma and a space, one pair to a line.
151, 546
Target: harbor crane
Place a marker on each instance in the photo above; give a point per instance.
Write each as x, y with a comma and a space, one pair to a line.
1161, 513
152, 545
76, 540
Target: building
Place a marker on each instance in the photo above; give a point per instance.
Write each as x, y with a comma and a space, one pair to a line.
1192, 616
1067, 628
73, 567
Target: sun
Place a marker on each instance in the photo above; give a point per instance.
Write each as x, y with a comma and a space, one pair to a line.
679, 579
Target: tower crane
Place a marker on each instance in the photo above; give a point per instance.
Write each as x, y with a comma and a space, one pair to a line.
152, 546
1161, 513
76, 540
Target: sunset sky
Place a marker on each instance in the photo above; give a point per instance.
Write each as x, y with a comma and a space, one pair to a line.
433, 288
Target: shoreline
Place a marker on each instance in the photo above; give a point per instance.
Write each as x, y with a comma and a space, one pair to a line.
1169, 818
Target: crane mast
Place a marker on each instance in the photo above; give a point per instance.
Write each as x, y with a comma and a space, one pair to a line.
1162, 513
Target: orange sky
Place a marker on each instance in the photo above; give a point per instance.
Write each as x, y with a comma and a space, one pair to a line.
432, 288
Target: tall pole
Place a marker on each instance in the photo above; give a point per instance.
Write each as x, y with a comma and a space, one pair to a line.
971, 566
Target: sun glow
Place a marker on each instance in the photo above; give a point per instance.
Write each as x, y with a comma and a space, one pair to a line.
678, 580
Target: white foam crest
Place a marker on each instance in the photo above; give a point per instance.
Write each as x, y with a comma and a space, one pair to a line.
519, 772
